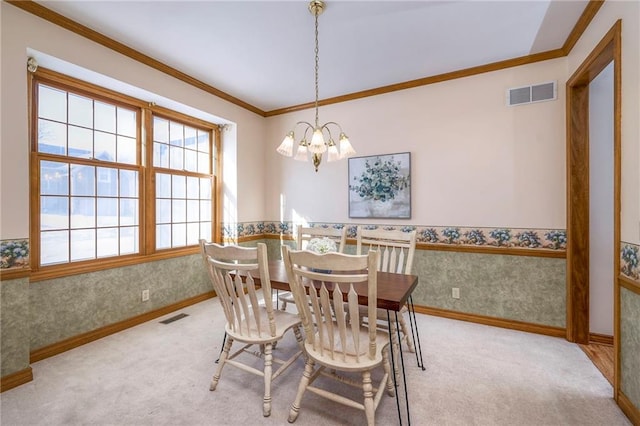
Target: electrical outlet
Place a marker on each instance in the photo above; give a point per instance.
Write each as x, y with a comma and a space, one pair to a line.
145, 295
455, 293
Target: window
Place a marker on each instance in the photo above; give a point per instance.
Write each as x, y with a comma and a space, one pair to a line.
96, 197
182, 164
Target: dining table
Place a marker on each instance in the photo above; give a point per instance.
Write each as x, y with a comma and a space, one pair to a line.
393, 292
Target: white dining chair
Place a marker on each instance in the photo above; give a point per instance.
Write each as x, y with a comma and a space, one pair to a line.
303, 236
397, 249
332, 342
250, 317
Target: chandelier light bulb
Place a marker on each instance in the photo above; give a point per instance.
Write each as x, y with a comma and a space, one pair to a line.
346, 150
333, 151
286, 147
301, 154
317, 142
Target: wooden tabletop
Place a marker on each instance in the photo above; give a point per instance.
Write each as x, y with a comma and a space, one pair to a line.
393, 289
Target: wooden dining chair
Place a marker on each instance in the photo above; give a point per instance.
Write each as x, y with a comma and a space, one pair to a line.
397, 249
306, 234
332, 342
250, 317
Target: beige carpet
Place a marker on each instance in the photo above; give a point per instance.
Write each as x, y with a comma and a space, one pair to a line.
159, 374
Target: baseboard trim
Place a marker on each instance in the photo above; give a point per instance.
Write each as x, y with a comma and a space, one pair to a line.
495, 322
602, 339
81, 339
16, 379
627, 407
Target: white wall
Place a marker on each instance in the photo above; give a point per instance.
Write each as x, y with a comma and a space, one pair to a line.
475, 161
629, 12
22, 31
601, 201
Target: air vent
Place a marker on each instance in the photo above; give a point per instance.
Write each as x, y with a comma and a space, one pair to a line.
531, 94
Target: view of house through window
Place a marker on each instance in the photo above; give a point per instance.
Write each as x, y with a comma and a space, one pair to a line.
90, 198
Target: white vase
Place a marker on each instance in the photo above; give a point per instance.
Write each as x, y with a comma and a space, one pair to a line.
379, 208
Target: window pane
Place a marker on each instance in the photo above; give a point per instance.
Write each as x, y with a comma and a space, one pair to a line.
190, 160
54, 247
80, 111
107, 242
52, 137
205, 210
163, 236
54, 178
205, 188
179, 187
127, 150
107, 212
203, 141
82, 180
163, 185
193, 187
160, 155
190, 138
176, 158
176, 134
54, 213
160, 130
203, 163
126, 122
179, 237
105, 146
193, 233
105, 117
107, 182
83, 212
128, 212
129, 240
129, 183
52, 103
179, 211
163, 211
205, 231
83, 244
193, 210
80, 142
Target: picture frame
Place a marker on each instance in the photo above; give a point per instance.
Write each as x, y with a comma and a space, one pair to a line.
380, 186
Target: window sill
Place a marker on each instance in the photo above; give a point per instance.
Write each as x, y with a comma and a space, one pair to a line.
66, 270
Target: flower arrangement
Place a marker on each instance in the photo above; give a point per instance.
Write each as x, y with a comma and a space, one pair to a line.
380, 181
322, 245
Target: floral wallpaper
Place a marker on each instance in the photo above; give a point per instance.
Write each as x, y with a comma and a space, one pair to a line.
14, 254
554, 239
629, 261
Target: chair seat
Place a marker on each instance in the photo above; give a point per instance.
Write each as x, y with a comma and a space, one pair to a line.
287, 297
348, 362
283, 322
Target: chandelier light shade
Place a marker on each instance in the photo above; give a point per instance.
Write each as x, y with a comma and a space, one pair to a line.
321, 136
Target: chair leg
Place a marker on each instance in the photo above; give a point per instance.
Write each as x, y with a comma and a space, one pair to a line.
302, 387
369, 408
221, 362
268, 360
406, 336
395, 347
300, 339
284, 305
391, 390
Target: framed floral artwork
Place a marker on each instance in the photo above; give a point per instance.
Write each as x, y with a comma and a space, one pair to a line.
380, 186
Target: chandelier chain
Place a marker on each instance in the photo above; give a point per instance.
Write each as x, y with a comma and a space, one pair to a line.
317, 67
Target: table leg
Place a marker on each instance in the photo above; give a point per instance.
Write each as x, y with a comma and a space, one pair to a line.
393, 367
415, 333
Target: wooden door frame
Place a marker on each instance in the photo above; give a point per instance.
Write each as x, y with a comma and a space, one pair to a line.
608, 50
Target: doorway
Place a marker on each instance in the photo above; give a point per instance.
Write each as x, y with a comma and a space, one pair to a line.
578, 188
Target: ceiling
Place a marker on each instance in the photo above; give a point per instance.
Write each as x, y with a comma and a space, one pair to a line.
262, 52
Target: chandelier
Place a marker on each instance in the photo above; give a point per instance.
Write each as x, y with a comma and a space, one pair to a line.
318, 144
